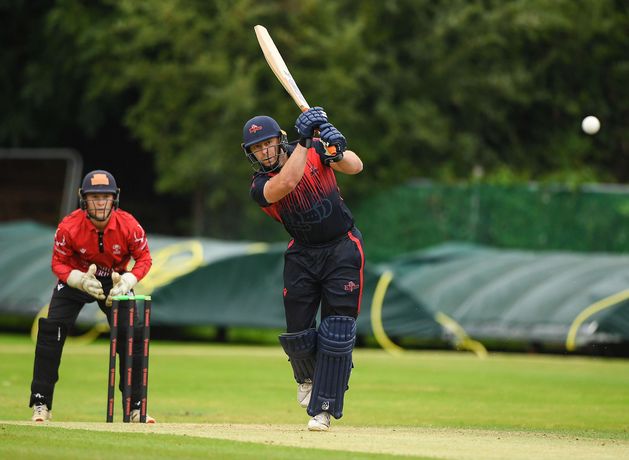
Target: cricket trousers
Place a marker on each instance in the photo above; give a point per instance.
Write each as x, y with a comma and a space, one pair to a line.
329, 275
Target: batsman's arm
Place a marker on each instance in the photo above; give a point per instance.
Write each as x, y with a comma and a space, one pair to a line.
289, 176
350, 164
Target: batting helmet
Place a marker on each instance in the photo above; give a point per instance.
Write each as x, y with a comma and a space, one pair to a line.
260, 129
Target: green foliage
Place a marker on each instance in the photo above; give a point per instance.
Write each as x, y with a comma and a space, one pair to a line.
419, 88
501, 212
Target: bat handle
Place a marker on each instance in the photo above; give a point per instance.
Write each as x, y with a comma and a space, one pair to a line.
331, 148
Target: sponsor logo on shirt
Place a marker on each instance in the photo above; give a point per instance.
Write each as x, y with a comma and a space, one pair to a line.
103, 271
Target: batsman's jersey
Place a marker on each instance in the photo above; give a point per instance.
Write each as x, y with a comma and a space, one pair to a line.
314, 212
78, 244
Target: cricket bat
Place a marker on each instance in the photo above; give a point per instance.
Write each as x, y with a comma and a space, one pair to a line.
279, 68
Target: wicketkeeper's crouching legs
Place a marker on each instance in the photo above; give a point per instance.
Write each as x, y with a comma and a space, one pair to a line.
335, 341
51, 337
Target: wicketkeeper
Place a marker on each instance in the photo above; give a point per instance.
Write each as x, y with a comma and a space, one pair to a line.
295, 184
92, 248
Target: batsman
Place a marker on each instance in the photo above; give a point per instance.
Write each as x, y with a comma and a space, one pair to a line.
295, 184
92, 248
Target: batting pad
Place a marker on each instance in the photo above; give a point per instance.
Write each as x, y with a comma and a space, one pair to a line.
301, 349
337, 335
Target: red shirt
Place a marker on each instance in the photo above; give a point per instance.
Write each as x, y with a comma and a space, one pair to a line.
78, 245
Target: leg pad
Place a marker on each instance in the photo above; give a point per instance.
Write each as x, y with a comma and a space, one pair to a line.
301, 348
336, 338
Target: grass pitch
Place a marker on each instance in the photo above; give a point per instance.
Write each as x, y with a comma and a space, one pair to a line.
218, 401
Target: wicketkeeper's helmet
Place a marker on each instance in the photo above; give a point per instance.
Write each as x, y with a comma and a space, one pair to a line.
99, 181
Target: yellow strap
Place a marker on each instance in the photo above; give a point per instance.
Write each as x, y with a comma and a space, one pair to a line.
607, 302
376, 315
463, 341
171, 262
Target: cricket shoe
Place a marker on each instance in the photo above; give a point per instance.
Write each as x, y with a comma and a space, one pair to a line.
304, 390
41, 413
135, 417
320, 422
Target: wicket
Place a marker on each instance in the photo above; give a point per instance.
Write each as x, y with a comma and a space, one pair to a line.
127, 378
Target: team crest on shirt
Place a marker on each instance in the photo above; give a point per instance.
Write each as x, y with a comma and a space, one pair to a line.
82, 250
116, 249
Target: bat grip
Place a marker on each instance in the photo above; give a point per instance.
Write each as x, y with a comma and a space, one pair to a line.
332, 150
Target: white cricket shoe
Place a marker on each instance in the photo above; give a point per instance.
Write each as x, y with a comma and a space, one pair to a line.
304, 390
41, 413
135, 417
320, 422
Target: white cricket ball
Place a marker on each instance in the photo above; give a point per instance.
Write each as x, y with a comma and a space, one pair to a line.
590, 125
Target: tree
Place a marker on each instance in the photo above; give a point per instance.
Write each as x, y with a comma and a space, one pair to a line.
420, 88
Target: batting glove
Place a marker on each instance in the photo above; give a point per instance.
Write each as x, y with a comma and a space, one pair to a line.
325, 155
308, 121
122, 284
332, 136
86, 282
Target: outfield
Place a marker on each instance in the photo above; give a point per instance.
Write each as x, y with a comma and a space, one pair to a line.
228, 401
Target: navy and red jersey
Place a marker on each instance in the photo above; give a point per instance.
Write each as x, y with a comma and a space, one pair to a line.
78, 244
314, 212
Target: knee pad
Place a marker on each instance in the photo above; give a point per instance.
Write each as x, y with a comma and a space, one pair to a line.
301, 349
51, 337
336, 338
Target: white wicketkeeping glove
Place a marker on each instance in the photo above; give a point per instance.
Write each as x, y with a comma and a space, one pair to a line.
86, 282
122, 285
